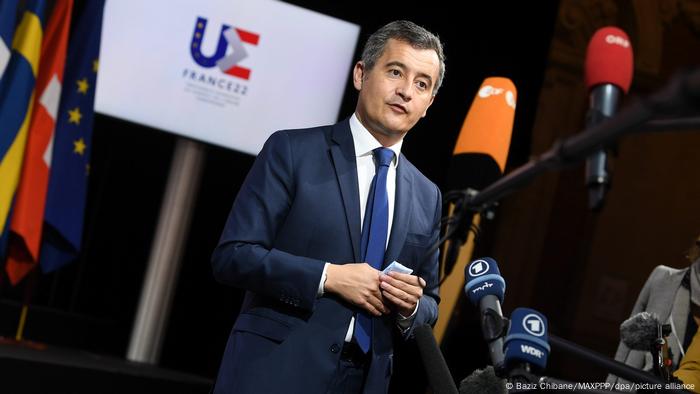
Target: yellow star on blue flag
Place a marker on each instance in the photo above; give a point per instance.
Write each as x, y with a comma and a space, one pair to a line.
83, 85
74, 116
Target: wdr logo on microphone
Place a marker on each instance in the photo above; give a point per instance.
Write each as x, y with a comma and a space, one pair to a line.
229, 37
531, 351
534, 325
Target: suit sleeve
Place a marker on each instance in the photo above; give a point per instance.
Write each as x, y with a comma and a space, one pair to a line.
429, 270
246, 256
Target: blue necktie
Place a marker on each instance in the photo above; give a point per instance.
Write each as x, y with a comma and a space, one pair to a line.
374, 233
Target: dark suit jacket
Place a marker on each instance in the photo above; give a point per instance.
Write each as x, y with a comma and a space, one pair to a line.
297, 209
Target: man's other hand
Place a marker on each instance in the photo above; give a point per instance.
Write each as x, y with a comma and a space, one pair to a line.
402, 290
357, 283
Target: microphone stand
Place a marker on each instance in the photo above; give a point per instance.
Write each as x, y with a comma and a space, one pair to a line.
676, 124
660, 352
458, 229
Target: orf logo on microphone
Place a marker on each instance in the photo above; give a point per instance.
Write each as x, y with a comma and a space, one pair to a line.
617, 40
229, 37
534, 325
478, 268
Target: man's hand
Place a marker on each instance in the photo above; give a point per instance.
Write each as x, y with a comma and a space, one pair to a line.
403, 291
358, 284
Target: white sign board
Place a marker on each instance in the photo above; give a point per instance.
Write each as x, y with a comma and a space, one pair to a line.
227, 72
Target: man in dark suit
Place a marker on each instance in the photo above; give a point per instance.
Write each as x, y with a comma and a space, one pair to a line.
322, 212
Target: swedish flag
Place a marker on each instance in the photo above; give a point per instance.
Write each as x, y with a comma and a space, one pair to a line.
16, 99
8, 13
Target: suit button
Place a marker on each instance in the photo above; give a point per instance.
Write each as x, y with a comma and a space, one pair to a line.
335, 348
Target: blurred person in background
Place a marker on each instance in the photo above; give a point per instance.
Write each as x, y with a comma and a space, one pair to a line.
673, 295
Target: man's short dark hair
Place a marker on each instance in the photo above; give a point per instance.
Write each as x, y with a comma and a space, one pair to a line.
410, 33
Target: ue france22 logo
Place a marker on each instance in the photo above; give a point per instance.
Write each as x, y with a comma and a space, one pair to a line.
230, 37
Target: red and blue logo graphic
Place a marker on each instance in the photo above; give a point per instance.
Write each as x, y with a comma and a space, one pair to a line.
230, 37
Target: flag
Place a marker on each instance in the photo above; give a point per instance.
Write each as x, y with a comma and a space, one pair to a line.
65, 200
16, 100
30, 198
8, 14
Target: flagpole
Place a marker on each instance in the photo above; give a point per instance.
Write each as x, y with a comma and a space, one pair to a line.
29, 285
166, 252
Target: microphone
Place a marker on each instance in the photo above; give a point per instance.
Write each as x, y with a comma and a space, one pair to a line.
486, 288
639, 332
526, 353
483, 381
645, 332
480, 153
527, 342
608, 74
439, 376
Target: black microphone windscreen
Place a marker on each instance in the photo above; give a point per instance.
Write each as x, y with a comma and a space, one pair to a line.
640, 331
439, 376
483, 381
474, 170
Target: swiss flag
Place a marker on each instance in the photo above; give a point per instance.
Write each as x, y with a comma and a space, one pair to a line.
30, 200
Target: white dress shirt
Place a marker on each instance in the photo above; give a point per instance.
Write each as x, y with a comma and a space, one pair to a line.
364, 143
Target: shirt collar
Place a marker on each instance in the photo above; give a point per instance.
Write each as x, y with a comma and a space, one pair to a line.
365, 142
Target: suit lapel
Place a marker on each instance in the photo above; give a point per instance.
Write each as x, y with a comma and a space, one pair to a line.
679, 316
343, 155
402, 213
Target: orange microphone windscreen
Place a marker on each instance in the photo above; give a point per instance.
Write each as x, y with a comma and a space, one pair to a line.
480, 153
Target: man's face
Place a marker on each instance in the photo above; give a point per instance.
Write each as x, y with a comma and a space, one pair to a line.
397, 91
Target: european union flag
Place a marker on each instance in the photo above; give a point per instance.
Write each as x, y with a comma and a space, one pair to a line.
65, 200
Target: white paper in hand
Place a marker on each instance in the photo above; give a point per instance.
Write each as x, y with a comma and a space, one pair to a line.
398, 267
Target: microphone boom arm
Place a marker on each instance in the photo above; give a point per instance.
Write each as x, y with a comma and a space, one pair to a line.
615, 367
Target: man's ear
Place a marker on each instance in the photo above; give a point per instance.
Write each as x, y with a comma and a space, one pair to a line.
358, 74
432, 98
